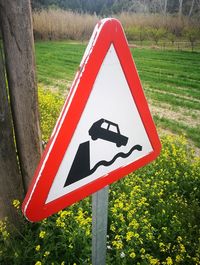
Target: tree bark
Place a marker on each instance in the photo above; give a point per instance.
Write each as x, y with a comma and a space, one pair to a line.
16, 22
10, 179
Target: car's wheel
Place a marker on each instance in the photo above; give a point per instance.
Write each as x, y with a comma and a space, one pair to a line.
118, 144
94, 137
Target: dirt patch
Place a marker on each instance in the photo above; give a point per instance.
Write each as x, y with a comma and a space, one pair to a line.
174, 95
60, 86
133, 46
190, 118
163, 132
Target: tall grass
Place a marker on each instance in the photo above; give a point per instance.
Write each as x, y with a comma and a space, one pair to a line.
55, 24
59, 24
170, 23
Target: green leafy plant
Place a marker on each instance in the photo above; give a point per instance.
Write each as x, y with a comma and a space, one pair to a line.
136, 33
154, 212
157, 34
153, 219
192, 34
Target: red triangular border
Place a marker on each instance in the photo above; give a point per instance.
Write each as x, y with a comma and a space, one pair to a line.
107, 32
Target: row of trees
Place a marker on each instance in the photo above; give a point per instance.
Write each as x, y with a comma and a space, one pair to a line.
191, 35
106, 7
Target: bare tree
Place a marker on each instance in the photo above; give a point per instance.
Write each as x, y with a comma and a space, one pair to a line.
191, 8
163, 6
180, 10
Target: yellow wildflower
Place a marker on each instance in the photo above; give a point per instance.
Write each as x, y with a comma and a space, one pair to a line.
136, 235
162, 247
129, 235
153, 261
142, 251
145, 220
178, 258
121, 205
44, 221
64, 213
149, 236
118, 237
87, 232
169, 261
70, 246
164, 229
37, 248
16, 203
117, 244
46, 253
38, 263
59, 222
112, 228
182, 248
132, 255
42, 234
3, 230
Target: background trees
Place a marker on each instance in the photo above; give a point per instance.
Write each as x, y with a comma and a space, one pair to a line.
105, 7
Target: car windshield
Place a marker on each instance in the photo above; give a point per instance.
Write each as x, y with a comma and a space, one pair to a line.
113, 128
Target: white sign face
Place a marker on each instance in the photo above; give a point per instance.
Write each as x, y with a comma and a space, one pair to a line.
105, 130
109, 135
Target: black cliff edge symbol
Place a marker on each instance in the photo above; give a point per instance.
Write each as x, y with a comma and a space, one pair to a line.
81, 164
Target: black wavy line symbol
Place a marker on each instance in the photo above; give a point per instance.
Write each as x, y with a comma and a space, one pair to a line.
121, 154
81, 165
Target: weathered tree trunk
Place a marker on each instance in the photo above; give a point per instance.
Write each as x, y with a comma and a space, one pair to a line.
16, 23
10, 179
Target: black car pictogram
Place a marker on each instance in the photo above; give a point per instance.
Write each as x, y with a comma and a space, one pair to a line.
109, 131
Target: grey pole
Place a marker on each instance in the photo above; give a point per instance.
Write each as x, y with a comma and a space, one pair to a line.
99, 226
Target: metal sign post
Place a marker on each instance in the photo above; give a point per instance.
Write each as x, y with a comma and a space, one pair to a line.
99, 226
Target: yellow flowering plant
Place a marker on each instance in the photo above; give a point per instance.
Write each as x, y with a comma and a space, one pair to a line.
161, 209
153, 218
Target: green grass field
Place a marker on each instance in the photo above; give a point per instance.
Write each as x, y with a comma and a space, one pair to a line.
171, 81
154, 212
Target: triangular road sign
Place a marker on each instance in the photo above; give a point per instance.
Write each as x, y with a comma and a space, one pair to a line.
104, 132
